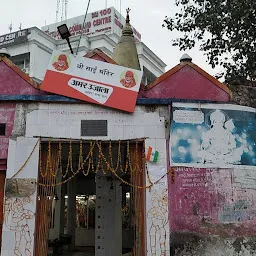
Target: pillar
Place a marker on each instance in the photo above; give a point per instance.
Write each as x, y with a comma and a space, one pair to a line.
108, 224
59, 216
71, 212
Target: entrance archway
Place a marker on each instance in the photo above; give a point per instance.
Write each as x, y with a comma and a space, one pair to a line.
109, 172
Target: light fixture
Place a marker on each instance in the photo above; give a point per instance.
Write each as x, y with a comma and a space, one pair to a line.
65, 34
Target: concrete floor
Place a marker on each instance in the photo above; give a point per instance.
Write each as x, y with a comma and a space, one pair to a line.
85, 254
78, 254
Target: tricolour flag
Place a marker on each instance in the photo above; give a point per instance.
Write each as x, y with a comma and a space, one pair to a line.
152, 155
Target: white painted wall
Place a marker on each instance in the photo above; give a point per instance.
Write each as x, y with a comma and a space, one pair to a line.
41, 60
19, 49
145, 63
157, 216
64, 121
19, 151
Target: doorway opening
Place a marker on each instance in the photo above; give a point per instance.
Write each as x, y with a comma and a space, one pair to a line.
91, 198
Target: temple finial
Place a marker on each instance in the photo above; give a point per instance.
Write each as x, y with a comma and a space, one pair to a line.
127, 15
125, 53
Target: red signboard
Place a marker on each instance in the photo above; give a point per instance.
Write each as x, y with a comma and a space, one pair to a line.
92, 81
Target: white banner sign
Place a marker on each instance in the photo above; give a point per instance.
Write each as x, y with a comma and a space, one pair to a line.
100, 22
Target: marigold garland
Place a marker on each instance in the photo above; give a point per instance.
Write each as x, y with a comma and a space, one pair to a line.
102, 160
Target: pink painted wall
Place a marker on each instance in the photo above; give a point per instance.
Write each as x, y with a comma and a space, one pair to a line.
7, 112
13, 84
213, 201
186, 83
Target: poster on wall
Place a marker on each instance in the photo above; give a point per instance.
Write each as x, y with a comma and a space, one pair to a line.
213, 135
157, 213
92, 81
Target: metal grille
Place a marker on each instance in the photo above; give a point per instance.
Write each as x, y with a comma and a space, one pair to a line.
94, 128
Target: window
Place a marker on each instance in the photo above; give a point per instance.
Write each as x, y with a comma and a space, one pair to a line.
148, 77
2, 129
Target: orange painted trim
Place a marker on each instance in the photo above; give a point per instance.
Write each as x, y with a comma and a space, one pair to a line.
101, 54
18, 71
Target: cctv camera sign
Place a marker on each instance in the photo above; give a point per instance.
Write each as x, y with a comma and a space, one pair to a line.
92, 81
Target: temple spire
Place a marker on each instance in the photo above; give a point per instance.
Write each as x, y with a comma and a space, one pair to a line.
125, 53
127, 15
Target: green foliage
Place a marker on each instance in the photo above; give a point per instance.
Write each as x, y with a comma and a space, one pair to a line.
225, 30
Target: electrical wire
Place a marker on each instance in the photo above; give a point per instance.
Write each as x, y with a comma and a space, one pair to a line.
83, 26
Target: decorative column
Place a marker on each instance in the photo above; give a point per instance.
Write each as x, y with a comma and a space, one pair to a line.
59, 208
71, 213
108, 224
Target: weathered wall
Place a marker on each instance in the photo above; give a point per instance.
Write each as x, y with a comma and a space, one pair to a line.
11, 83
19, 127
2, 181
64, 121
18, 232
7, 112
212, 211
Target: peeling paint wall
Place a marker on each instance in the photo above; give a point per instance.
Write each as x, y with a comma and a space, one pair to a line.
64, 121
13, 84
213, 211
7, 111
22, 109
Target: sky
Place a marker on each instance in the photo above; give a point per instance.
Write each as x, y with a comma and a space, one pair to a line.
146, 16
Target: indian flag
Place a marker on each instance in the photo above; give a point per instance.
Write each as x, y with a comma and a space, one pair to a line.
152, 155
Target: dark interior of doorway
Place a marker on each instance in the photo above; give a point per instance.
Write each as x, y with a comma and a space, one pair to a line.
85, 214
86, 199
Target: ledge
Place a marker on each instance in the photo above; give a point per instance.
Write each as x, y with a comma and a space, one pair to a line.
58, 98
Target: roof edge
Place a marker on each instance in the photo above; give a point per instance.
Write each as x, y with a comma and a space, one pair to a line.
196, 68
212, 79
58, 98
18, 71
101, 54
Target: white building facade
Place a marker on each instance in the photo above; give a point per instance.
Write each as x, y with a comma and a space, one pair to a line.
30, 49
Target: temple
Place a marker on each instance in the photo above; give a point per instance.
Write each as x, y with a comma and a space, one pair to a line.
173, 177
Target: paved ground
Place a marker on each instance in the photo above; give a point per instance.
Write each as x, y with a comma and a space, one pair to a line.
84, 254
78, 254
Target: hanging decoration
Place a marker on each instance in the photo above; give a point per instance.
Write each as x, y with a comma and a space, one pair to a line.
104, 163
98, 158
